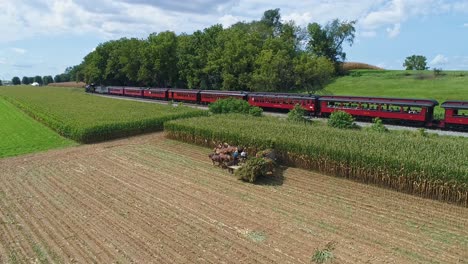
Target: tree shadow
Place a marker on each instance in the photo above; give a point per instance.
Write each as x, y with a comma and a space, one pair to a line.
274, 179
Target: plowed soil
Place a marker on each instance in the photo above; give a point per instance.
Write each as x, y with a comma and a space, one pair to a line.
152, 200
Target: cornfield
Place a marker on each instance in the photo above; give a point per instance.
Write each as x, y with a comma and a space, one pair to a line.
87, 118
432, 167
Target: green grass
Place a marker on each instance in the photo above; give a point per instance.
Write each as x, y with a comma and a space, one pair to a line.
410, 84
429, 166
89, 118
21, 134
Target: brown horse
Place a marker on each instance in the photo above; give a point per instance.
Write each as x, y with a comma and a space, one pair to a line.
220, 159
215, 158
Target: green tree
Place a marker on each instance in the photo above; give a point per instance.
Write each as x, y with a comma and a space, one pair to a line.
199, 58
274, 71
30, 79
415, 62
312, 73
342, 120
16, 80
272, 18
57, 78
1, 83
159, 60
38, 79
95, 64
235, 56
297, 114
47, 79
328, 41
25, 80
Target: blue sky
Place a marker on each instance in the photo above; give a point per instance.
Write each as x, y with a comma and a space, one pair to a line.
43, 37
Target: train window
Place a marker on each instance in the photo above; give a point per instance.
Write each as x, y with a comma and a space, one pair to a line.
331, 104
460, 113
354, 105
391, 108
412, 109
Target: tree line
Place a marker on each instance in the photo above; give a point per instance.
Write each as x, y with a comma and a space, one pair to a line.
262, 55
29, 80
44, 80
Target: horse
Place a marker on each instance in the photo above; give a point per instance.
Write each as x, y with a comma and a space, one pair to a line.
215, 158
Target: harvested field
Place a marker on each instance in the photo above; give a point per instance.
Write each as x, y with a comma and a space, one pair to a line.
68, 84
150, 199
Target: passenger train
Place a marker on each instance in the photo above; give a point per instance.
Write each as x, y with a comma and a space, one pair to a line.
404, 111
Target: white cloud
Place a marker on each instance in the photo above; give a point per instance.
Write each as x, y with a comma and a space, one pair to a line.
393, 13
368, 34
228, 20
2, 61
465, 25
439, 60
393, 31
138, 18
19, 50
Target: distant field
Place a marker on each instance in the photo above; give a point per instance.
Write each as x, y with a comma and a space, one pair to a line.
87, 118
451, 86
68, 84
20, 134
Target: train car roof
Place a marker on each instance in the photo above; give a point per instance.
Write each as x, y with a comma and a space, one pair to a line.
134, 88
158, 88
386, 100
238, 93
283, 95
455, 104
184, 90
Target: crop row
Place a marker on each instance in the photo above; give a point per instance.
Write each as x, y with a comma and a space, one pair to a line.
434, 167
87, 118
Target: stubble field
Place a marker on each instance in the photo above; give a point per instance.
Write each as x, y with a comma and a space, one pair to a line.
150, 199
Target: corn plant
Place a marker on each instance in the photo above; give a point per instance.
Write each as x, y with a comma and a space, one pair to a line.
87, 118
434, 167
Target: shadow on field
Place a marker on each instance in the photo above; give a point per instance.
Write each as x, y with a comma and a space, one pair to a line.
275, 179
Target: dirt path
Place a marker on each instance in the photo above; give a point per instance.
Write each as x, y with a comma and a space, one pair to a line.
149, 199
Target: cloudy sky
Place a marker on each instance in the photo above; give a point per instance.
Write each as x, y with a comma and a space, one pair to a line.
43, 37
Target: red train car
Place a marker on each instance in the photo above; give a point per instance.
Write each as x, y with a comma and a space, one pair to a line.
156, 93
133, 91
184, 95
456, 115
117, 90
412, 111
210, 96
283, 101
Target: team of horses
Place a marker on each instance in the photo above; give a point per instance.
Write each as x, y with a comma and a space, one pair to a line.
224, 155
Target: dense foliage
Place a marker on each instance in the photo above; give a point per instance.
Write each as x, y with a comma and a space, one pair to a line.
297, 114
341, 119
415, 62
87, 118
21, 134
431, 167
378, 126
233, 105
254, 168
16, 80
264, 55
